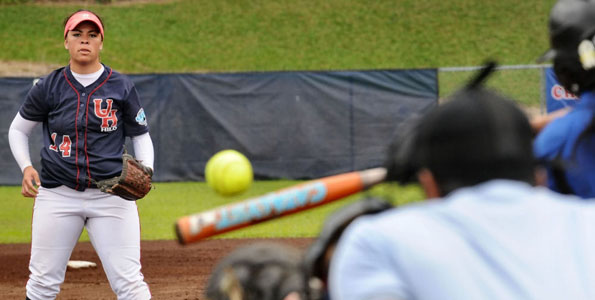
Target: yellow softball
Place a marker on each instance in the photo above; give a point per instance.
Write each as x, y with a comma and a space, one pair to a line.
229, 172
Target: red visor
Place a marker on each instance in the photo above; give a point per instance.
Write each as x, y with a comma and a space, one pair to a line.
82, 16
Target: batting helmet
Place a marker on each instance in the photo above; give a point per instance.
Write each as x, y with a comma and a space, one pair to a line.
571, 30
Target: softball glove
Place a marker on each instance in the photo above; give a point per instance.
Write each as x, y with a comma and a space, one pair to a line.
133, 183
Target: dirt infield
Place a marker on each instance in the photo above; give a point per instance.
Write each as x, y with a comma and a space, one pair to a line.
171, 270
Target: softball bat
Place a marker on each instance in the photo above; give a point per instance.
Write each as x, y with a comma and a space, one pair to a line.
287, 201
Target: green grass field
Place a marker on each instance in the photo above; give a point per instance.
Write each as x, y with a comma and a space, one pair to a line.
262, 35
259, 35
169, 201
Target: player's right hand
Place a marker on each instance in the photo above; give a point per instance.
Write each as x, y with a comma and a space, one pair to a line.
30, 182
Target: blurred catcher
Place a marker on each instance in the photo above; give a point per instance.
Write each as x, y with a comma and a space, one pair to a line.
260, 271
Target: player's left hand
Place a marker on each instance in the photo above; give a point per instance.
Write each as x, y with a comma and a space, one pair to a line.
30, 182
133, 183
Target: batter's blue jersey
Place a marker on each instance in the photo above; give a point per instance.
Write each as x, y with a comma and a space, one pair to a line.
560, 140
84, 128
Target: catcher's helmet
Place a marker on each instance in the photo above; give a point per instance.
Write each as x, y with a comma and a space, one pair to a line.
258, 271
571, 30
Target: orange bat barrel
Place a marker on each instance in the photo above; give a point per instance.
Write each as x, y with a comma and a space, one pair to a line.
283, 202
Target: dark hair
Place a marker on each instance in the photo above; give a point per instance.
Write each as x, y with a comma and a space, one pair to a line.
478, 135
475, 136
72, 14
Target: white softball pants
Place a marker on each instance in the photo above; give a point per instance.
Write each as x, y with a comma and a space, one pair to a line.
113, 225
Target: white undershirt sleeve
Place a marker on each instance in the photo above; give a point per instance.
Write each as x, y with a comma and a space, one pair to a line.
143, 149
20, 130
18, 138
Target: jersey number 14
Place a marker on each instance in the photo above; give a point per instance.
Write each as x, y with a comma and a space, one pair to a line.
64, 146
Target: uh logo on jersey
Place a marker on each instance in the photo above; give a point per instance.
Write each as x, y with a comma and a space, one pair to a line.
109, 120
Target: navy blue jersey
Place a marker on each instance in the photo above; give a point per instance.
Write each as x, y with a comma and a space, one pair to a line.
84, 128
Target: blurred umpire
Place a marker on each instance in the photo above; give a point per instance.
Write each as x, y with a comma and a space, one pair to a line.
568, 143
485, 232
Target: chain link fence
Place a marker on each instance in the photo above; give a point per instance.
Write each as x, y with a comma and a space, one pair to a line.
523, 83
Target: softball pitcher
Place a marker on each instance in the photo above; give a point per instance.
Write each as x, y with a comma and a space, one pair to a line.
87, 110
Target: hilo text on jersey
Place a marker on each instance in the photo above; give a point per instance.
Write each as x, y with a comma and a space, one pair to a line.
109, 119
